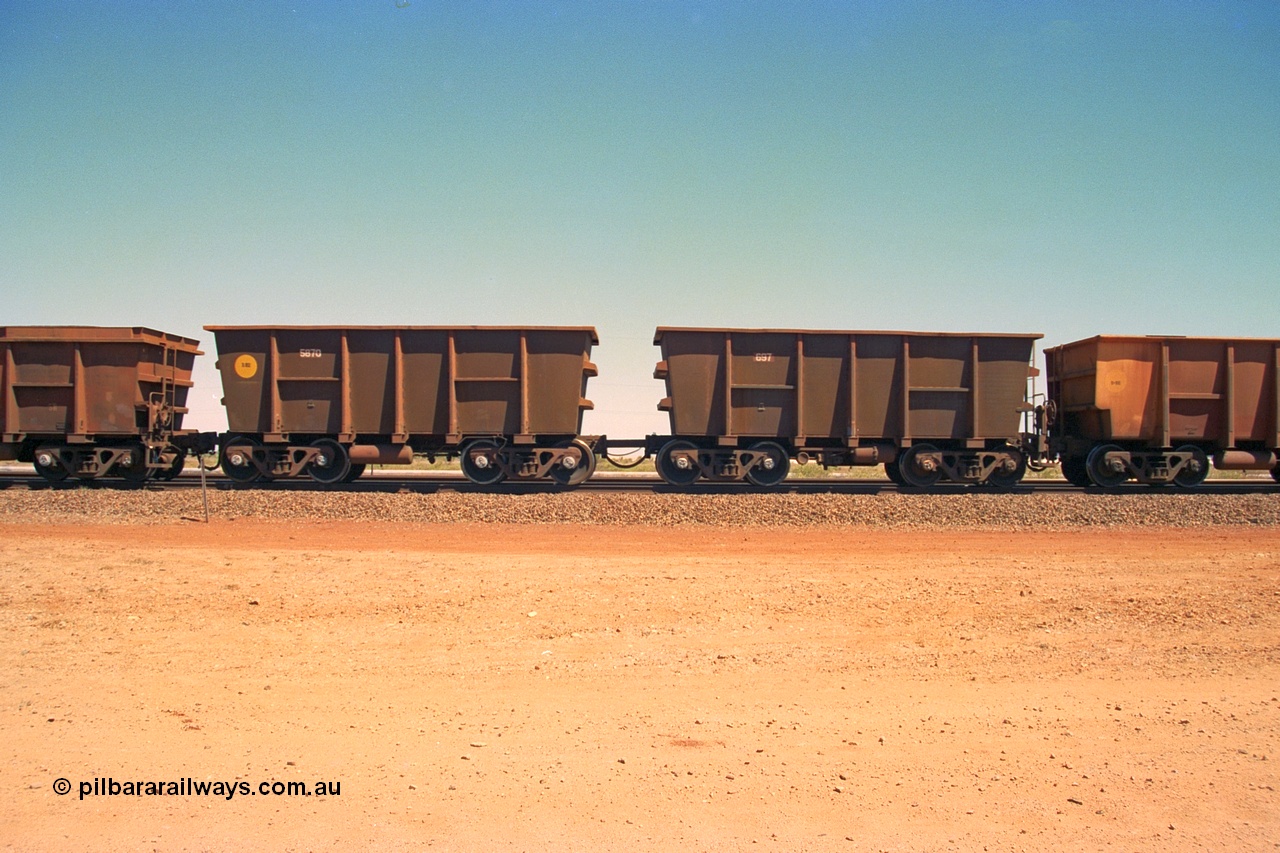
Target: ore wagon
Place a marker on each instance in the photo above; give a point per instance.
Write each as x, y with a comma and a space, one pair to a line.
325, 401
1159, 409
91, 402
744, 403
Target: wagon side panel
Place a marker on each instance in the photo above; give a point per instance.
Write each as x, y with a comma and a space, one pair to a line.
941, 377
487, 381
112, 391
824, 387
695, 381
1128, 390
762, 389
1254, 390
370, 390
1002, 368
425, 354
879, 385
1071, 379
309, 381
40, 388
245, 367
1191, 401
555, 383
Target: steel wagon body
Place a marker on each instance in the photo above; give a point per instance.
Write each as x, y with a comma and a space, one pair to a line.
326, 400
1157, 409
91, 401
744, 402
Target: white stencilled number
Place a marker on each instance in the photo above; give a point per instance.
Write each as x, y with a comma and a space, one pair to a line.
764, 356
309, 353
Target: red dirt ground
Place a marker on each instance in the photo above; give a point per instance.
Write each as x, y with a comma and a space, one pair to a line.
575, 688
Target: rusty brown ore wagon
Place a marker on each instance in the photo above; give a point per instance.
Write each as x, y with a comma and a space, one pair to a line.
743, 403
90, 402
328, 400
1158, 409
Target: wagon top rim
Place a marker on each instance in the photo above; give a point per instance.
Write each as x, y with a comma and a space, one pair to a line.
1212, 339
591, 330
662, 330
93, 334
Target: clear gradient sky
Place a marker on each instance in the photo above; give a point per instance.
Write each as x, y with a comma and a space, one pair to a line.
1066, 168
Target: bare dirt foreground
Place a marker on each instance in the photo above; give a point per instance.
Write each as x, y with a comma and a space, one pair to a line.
481, 687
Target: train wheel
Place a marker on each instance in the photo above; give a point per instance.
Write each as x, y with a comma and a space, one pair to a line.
49, 465
357, 468
1196, 469
773, 468
238, 465
584, 465
1001, 479
893, 471
1100, 472
135, 469
918, 471
331, 465
668, 466
1075, 472
480, 463
177, 462
1275, 473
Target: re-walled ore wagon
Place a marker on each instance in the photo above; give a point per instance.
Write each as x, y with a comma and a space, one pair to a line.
325, 401
745, 402
91, 402
1158, 409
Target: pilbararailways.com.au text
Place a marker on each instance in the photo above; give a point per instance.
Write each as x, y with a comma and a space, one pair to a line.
188, 787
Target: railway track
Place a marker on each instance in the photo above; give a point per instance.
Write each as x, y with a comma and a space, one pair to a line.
444, 482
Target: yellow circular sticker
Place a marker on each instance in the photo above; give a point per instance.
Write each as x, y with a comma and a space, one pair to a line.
246, 366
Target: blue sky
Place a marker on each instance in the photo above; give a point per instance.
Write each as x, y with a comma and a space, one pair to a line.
1065, 168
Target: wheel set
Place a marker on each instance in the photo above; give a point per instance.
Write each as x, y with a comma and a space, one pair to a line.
487, 462
132, 462
1109, 466
922, 466
682, 463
